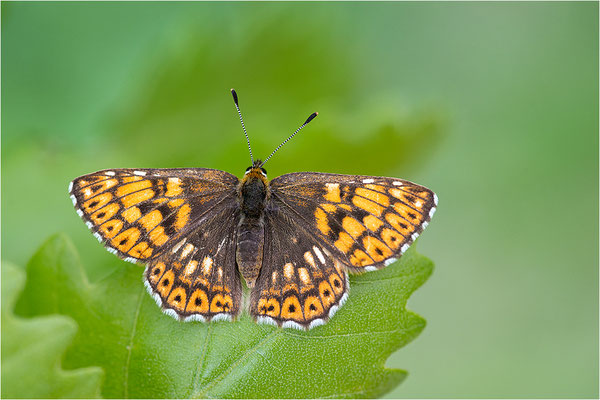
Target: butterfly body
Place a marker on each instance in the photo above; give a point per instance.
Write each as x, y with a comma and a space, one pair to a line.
251, 228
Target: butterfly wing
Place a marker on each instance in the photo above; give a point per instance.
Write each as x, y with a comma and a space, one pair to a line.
300, 285
181, 222
366, 222
196, 279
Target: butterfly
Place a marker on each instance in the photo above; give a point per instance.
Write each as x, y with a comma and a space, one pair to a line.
292, 240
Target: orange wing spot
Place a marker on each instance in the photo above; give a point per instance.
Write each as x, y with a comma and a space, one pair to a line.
160, 201
183, 216
111, 228
352, 226
133, 178
177, 298
97, 202
150, 220
336, 284
220, 303
359, 258
262, 305
397, 193
89, 180
137, 197
392, 238
408, 213
133, 187
105, 213
269, 307
158, 236
312, 307
329, 208
367, 205
344, 242
164, 286
374, 196
141, 250
175, 203
345, 207
378, 188
98, 188
333, 192
131, 214
400, 224
174, 187
291, 309
157, 270
327, 294
322, 222
125, 240
376, 249
372, 223
273, 308
198, 302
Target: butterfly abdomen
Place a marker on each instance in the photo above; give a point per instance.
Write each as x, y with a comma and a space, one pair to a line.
251, 230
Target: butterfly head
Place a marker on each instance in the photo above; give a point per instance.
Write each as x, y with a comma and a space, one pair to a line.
256, 170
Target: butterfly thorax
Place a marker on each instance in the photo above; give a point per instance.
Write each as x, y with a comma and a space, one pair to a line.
253, 193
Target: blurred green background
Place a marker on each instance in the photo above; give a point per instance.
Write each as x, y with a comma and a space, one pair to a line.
493, 106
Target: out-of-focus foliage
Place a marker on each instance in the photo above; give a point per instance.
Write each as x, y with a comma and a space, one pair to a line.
492, 105
32, 349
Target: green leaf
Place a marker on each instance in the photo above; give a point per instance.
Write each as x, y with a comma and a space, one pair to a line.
32, 350
148, 354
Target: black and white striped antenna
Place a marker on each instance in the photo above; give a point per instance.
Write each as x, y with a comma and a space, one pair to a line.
235, 100
310, 118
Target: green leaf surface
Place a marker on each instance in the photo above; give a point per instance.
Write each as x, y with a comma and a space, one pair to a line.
32, 350
148, 354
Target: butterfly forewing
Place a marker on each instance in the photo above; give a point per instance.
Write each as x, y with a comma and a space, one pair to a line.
366, 222
137, 214
301, 284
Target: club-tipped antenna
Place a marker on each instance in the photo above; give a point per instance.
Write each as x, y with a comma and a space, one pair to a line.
235, 100
310, 118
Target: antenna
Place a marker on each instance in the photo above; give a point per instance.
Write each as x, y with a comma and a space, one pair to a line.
235, 100
310, 118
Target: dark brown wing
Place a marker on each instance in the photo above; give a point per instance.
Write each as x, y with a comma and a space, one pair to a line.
300, 285
137, 214
196, 279
174, 220
366, 222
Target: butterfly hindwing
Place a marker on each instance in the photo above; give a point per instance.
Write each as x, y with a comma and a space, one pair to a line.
137, 214
368, 222
197, 278
301, 284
